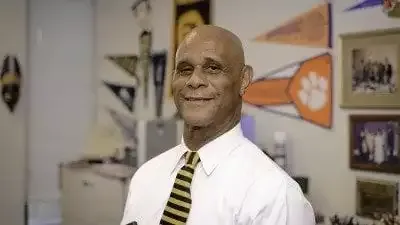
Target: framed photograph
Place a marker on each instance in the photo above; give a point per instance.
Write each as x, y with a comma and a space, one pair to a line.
370, 69
374, 143
375, 197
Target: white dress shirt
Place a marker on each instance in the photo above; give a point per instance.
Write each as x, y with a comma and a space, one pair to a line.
234, 184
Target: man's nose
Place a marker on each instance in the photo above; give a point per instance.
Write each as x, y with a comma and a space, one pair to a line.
197, 79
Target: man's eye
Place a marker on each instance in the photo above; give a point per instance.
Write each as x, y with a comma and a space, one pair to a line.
213, 68
185, 71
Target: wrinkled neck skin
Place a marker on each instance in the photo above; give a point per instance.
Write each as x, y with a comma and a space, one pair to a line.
197, 137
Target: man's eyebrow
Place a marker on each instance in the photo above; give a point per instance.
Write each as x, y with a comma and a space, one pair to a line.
213, 59
182, 62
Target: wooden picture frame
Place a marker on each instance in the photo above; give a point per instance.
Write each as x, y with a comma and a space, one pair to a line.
370, 69
375, 143
375, 197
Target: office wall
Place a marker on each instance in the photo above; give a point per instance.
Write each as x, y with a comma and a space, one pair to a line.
61, 96
321, 154
13, 32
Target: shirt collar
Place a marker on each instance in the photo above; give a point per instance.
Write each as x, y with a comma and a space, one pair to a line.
215, 151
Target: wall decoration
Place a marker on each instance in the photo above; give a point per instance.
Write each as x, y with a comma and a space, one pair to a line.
248, 125
10, 80
188, 14
376, 197
391, 8
312, 29
370, 63
127, 63
142, 12
103, 141
159, 66
160, 138
145, 62
301, 90
125, 93
128, 128
374, 143
364, 4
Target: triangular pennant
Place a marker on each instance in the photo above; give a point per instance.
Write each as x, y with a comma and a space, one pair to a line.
127, 126
312, 29
10, 80
127, 63
364, 4
308, 91
125, 93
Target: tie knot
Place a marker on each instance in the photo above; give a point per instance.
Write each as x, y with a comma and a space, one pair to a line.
192, 158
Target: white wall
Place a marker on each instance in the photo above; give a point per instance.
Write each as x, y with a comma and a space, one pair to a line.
320, 154
13, 29
61, 94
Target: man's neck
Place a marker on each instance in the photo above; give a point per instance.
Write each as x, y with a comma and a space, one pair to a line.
197, 137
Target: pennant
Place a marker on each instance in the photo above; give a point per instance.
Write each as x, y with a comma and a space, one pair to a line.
312, 28
364, 4
127, 63
302, 90
145, 42
125, 93
159, 65
188, 15
127, 126
10, 80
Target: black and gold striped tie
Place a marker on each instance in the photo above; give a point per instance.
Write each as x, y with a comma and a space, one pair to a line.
177, 209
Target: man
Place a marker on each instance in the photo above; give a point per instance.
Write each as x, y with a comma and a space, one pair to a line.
215, 176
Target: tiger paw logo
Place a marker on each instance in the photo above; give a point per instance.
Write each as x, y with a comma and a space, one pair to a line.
313, 93
10, 80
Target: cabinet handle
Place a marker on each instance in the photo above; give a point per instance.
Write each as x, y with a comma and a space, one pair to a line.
86, 183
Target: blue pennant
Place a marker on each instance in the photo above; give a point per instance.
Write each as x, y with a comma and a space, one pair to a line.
365, 4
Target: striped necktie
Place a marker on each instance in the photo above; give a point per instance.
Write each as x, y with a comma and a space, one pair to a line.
177, 209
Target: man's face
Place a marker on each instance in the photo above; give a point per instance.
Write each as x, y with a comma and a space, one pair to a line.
206, 82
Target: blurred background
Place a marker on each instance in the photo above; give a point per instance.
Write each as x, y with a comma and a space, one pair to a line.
86, 99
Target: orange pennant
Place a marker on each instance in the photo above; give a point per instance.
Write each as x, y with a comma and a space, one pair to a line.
308, 88
312, 29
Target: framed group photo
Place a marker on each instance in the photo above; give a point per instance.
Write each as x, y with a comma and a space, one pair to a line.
376, 197
374, 143
370, 69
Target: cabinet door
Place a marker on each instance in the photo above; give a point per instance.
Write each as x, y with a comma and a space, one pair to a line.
74, 198
106, 200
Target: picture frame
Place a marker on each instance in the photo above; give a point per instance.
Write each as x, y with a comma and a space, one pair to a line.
370, 69
376, 197
375, 143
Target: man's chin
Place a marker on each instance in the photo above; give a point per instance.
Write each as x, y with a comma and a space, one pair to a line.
197, 120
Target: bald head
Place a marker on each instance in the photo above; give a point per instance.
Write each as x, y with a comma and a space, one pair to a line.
225, 42
210, 77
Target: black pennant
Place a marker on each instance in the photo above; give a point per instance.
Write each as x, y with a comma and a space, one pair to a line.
125, 93
10, 80
159, 65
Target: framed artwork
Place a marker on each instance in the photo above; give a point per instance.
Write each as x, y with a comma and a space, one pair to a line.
375, 197
374, 143
188, 14
370, 69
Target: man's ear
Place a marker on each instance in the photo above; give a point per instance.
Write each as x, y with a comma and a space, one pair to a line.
247, 77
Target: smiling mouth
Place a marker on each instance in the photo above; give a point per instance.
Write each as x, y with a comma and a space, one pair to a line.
197, 99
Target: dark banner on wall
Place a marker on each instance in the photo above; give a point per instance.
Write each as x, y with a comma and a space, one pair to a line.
125, 93
159, 65
188, 15
10, 80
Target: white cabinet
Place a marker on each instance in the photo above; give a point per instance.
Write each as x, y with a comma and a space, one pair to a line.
93, 194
